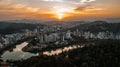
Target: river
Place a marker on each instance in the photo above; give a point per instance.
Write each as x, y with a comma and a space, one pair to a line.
60, 50
18, 54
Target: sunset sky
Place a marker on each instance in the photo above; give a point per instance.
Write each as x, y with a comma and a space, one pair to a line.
59, 9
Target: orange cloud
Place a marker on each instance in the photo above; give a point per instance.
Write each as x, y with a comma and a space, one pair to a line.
21, 11
13, 11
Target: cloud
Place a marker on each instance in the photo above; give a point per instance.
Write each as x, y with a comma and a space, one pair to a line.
8, 10
71, 1
6, 1
22, 10
81, 8
88, 8
83, 1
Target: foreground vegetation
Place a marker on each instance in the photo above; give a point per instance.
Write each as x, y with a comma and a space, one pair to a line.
104, 53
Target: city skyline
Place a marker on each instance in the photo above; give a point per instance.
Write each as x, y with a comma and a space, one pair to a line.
58, 9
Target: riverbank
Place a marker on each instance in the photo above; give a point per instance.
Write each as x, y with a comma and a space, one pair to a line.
15, 55
11, 46
34, 48
105, 53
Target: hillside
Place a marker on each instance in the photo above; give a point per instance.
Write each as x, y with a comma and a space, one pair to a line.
10, 27
98, 26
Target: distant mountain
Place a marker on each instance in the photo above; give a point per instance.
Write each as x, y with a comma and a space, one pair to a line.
98, 26
7, 27
49, 23
109, 20
11, 27
25, 21
112, 20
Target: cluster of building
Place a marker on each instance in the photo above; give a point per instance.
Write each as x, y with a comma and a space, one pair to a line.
6, 40
45, 36
97, 35
54, 34
61, 36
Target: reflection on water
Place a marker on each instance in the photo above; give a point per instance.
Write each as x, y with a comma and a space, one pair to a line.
60, 50
17, 53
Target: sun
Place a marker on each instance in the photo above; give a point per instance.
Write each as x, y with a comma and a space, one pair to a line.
60, 16
61, 12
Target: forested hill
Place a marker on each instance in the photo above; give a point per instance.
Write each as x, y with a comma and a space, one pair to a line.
98, 26
10, 27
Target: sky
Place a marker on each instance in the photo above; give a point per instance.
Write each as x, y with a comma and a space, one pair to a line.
58, 9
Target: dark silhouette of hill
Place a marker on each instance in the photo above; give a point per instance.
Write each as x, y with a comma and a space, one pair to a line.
10, 27
98, 26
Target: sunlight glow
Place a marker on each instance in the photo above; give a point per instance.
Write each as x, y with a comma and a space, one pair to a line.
61, 12
60, 16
